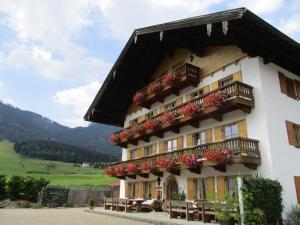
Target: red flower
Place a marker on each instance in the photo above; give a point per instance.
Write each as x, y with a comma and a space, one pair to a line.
169, 79
131, 168
138, 98
154, 88
190, 160
217, 155
108, 171
119, 170
152, 124
166, 163
190, 109
114, 138
124, 134
138, 129
168, 117
148, 166
215, 99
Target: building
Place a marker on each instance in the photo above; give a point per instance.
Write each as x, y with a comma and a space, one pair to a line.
202, 86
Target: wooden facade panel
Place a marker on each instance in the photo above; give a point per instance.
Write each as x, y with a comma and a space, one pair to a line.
206, 89
210, 185
242, 128
292, 137
237, 76
283, 83
214, 85
136, 188
208, 135
190, 140
191, 192
297, 85
180, 142
297, 187
219, 133
154, 149
153, 189
128, 154
221, 188
162, 147
162, 109
179, 101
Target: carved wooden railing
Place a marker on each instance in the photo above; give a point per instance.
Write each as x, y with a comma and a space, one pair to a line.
240, 95
242, 150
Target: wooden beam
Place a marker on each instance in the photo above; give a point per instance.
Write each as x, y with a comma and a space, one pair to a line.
217, 116
144, 175
196, 170
221, 168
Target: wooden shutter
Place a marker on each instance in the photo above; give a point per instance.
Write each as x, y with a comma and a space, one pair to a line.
136, 191
154, 149
128, 154
219, 133
190, 140
237, 76
189, 97
242, 128
283, 83
141, 189
162, 109
178, 102
210, 185
208, 135
162, 147
292, 136
297, 85
191, 189
221, 187
126, 189
215, 85
297, 186
206, 89
141, 118
153, 189
180, 142
140, 152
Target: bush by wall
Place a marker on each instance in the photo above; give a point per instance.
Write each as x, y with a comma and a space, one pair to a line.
262, 201
2, 186
54, 196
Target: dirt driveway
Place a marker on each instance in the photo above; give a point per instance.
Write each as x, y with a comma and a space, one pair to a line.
71, 216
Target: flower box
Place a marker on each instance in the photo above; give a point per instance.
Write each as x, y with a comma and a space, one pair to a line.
215, 99
166, 164
138, 129
169, 79
154, 88
138, 98
152, 124
218, 155
131, 168
114, 138
109, 171
119, 170
190, 109
189, 161
147, 167
168, 117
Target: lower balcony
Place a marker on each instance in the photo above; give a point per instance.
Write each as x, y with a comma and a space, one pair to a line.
217, 155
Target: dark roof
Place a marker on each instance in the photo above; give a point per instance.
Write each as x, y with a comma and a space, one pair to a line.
144, 51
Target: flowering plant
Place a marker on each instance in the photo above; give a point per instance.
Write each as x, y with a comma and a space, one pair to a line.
190, 109
152, 124
168, 117
119, 170
166, 164
109, 171
114, 138
157, 205
154, 88
138, 129
217, 155
190, 160
131, 168
215, 99
138, 98
169, 79
124, 134
148, 166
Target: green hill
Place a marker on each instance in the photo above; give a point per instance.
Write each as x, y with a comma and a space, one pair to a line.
63, 174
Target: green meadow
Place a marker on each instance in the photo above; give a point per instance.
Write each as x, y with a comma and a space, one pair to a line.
63, 173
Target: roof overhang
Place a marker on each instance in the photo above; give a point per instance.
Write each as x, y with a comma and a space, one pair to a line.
147, 47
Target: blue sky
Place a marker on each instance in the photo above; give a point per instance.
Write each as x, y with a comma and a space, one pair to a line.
55, 54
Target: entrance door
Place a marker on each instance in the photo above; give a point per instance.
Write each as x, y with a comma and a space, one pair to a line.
172, 189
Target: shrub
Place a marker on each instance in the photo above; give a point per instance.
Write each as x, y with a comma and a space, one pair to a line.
293, 216
54, 196
262, 201
15, 187
91, 202
138, 98
2, 186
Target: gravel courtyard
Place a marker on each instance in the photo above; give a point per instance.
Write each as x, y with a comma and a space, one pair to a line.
71, 216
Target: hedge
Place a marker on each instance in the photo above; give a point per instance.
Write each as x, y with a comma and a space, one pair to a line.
262, 201
54, 196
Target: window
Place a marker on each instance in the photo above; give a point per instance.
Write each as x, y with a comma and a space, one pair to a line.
171, 145
199, 138
231, 131
297, 187
225, 81
131, 190
150, 114
289, 86
170, 105
147, 190
148, 150
201, 188
133, 154
297, 130
291, 91
293, 133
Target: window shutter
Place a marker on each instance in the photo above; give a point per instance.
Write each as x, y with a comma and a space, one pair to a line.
215, 85
190, 140
128, 154
221, 188
206, 89
297, 85
154, 149
136, 193
237, 76
208, 135
219, 133
291, 133
141, 118
162, 147
180, 142
141, 189
297, 186
126, 189
153, 189
210, 185
178, 102
191, 191
283, 83
161, 109
189, 97
242, 129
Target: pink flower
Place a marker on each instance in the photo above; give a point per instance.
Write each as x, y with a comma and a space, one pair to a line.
114, 138
168, 117
154, 88
152, 124
215, 99
169, 79
108, 171
147, 166
131, 168
124, 134
190, 160
217, 155
138, 129
166, 163
119, 170
190, 109
138, 98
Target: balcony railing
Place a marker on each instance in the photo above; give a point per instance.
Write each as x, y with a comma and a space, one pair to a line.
242, 150
186, 75
239, 96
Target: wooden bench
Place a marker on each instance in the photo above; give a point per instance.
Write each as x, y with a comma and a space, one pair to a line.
182, 209
110, 203
124, 205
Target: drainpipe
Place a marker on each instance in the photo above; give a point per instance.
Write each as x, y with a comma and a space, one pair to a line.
240, 194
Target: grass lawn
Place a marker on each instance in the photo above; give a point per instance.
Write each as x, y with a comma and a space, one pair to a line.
64, 173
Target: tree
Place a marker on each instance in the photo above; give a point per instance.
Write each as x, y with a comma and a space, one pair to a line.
2, 186
49, 167
15, 187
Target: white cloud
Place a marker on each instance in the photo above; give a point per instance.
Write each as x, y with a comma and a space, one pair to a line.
78, 99
258, 6
291, 26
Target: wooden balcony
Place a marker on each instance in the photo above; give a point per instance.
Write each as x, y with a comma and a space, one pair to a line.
242, 150
239, 96
186, 75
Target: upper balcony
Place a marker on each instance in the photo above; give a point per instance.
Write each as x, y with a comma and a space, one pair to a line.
231, 97
170, 83
217, 155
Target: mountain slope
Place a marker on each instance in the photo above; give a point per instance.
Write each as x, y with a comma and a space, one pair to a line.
20, 125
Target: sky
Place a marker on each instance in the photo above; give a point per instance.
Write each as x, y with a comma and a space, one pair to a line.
54, 54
